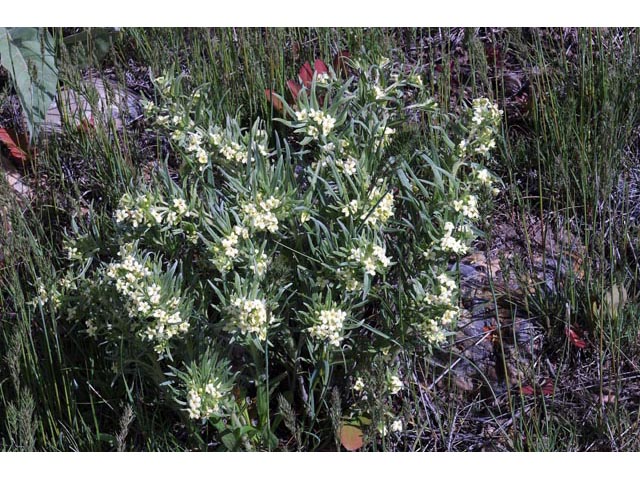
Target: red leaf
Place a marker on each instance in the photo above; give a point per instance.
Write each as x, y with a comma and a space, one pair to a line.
275, 101
547, 386
87, 125
16, 153
294, 88
320, 66
306, 74
574, 338
527, 390
350, 437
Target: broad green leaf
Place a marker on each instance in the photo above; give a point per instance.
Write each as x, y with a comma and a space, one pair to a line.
613, 301
28, 56
95, 41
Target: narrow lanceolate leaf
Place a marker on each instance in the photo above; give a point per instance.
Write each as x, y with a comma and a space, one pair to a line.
28, 55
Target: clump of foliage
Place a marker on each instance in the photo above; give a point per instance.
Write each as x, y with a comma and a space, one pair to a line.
259, 291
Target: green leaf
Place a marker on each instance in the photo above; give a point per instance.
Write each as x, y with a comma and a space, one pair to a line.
230, 441
95, 41
28, 56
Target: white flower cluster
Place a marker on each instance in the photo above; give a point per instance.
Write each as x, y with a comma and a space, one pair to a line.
227, 251
396, 426
348, 166
385, 135
127, 274
147, 300
249, 316
484, 177
432, 328
148, 107
145, 210
162, 120
347, 279
373, 258
260, 216
192, 143
450, 315
383, 210
73, 253
317, 122
329, 326
449, 243
446, 289
485, 112
260, 142
198, 143
394, 384
351, 208
204, 402
468, 206
163, 83
484, 124
260, 264
228, 148
235, 150
433, 331
173, 117
92, 328
43, 295
323, 78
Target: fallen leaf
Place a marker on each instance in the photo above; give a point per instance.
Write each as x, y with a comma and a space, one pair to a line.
294, 88
16, 153
306, 74
527, 390
545, 388
320, 66
351, 437
275, 101
574, 338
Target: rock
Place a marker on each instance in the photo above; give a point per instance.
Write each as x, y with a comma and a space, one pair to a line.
95, 102
14, 178
497, 341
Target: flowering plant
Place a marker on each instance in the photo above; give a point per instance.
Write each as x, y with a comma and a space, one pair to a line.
296, 255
